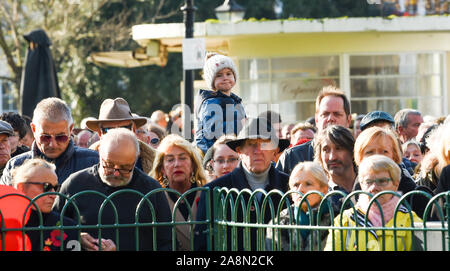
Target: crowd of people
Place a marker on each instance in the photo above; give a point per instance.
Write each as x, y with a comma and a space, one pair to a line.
99, 172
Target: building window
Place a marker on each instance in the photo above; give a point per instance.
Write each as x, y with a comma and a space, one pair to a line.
291, 83
8, 102
387, 82
390, 82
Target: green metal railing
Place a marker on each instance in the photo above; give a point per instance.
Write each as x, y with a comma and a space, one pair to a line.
244, 220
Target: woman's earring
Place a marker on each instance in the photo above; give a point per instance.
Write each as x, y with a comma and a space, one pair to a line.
165, 181
192, 179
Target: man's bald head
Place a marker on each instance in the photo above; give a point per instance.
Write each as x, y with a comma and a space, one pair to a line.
119, 140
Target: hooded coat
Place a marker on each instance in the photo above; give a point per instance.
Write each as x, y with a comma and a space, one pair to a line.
216, 114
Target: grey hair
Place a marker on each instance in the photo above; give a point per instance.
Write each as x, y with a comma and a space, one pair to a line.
116, 136
401, 118
314, 168
54, 110
20, 173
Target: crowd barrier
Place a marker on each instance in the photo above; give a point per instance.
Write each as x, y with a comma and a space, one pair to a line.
239, 220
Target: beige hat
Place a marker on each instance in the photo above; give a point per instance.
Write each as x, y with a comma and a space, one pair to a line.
114, 110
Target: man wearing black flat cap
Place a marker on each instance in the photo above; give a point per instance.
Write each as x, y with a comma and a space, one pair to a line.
257, 145
377, 118
6, 131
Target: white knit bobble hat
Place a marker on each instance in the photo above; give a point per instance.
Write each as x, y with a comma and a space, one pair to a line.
214, 64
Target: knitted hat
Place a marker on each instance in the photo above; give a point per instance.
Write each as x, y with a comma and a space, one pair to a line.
214, 64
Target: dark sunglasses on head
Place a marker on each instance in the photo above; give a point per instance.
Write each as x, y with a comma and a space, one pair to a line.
47, 187
59, 138
106, 129
154, 141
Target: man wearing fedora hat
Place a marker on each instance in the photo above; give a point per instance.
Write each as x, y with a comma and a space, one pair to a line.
52, 126
116, 113
257, 145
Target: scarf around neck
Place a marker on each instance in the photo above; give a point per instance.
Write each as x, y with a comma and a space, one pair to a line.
375, 213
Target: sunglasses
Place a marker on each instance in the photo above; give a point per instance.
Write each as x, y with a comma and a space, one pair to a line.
106, 129
47, 187
46, 139
154, 141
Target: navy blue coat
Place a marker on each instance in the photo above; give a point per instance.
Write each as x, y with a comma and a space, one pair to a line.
216, 114
71, 160
237, 179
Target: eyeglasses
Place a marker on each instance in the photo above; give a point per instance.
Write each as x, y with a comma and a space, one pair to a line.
106, 129
229, 160
110, 168
47, 187
379, 182
154, 141
46, 139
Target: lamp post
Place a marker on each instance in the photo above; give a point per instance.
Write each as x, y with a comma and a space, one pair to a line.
188, 76
230, 11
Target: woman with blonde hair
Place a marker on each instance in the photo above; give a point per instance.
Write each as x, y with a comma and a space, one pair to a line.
440, 147
376, 140
376, 174
310, 180
178, 166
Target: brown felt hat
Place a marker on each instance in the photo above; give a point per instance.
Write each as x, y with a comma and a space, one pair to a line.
114, 110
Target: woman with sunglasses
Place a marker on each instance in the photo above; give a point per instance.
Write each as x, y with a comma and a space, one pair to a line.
377, 174
36, 178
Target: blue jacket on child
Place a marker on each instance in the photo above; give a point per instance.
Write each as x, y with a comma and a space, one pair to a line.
216, 114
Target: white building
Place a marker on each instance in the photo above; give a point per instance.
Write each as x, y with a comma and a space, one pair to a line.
382, 64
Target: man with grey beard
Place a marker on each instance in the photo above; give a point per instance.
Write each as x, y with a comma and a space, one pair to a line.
117, 177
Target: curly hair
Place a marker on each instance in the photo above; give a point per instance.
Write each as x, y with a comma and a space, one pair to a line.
16, 121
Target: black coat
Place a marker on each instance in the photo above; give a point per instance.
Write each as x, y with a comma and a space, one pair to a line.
292, 156
126, 203
51, 239
444, 180
237, 179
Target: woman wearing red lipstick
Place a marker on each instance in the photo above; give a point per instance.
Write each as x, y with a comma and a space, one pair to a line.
178, 166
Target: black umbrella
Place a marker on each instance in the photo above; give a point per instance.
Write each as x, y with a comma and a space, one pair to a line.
39, 79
